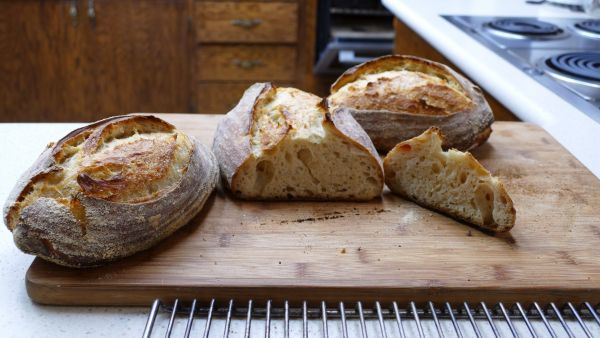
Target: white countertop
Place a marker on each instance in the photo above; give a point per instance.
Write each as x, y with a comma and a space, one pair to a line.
525, 97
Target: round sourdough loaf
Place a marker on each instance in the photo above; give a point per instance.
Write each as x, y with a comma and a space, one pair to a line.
397, 97
109, 190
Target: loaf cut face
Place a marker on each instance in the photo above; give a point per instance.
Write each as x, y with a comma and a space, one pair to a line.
291, 148
452, 182
108, 190
397, 97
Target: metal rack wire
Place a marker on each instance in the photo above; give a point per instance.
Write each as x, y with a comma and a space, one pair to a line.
577, 315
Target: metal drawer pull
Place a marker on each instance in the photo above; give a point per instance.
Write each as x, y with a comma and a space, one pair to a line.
246, 64
73, 12
91, 10
246, 23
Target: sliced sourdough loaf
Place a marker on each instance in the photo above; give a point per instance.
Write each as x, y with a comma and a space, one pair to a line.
452, 182
281, 143
397, 97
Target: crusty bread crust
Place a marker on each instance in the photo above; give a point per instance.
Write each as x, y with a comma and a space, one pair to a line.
231, 143
451, 182
464, 130
102, 193
236, 142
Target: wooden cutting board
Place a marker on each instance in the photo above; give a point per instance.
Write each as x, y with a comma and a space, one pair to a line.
387, 249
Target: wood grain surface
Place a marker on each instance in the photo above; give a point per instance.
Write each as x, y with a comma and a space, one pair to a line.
225, 22
56, 67
387, 249
41, 70
251, 62
220, 97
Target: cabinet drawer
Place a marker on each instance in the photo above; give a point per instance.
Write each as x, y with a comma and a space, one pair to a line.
266, 63
246, 22
220, 97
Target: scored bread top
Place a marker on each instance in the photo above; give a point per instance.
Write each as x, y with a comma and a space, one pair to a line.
285, 110
401, 83
128, 159
397, 97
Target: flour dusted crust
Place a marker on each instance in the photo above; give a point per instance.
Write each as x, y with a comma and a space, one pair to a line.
281, 143
108, 190
452, 182
396, 97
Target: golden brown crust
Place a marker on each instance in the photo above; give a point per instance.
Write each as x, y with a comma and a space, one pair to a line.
232, 137
399, 89
405, 62
233, 142
465, 126
108, 190
126, 169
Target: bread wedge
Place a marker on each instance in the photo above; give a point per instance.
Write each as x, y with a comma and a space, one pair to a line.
109, 190
397, 97
281, 143
452, 182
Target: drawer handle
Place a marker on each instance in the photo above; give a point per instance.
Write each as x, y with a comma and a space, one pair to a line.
246, 23
246, 64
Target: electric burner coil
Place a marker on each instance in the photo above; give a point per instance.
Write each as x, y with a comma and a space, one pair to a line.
581, 65
525, 27
589, 28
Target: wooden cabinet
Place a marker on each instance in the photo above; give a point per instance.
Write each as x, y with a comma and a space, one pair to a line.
258, 63
219, 98
136, 57
246, 22
238, 43
82, 60
64, 61
42, 60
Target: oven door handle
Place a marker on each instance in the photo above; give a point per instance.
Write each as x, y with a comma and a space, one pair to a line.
348, 57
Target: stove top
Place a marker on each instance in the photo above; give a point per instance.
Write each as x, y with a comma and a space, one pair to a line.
561, 54
576, 65
589, 28
524, 28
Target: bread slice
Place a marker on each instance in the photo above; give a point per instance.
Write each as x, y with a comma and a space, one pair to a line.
281, 143
397, 97
452, 182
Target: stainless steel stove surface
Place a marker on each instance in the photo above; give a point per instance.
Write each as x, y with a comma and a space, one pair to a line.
561, 54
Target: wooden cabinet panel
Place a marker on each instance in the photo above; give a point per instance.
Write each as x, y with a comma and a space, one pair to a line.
220, 97
246, 22
59, 64
267, 63
138, 57
42, 70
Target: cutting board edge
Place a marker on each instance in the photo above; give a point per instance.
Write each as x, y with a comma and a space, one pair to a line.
143, 295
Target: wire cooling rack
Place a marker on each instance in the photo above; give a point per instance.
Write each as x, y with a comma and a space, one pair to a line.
564, 320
